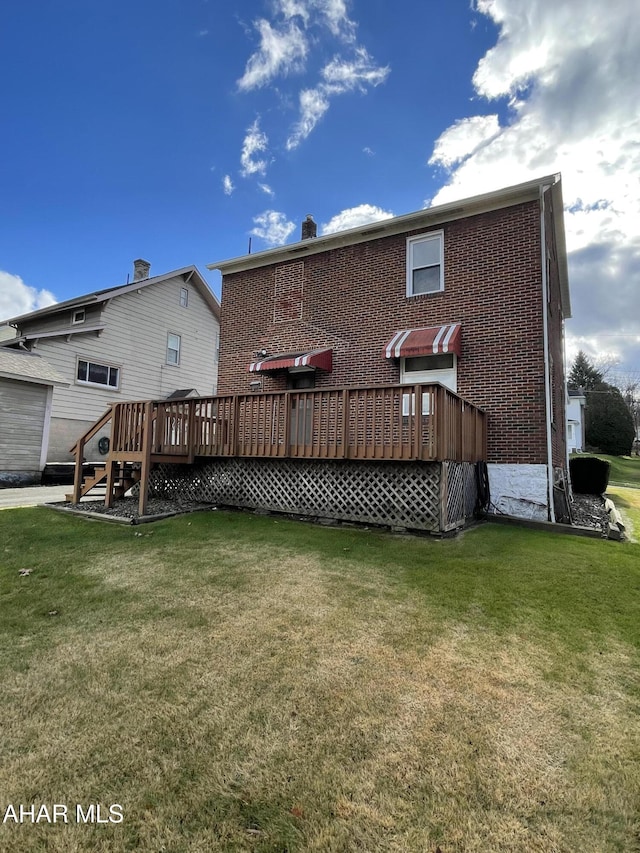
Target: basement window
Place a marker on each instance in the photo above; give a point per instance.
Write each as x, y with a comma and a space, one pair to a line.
93, 373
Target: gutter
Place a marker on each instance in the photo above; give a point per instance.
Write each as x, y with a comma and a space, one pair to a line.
545, 330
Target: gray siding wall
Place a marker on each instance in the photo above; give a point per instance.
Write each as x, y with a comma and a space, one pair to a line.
22, 415
135, 341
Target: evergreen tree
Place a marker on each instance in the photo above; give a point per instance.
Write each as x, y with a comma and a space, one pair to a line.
584, 375
609, 424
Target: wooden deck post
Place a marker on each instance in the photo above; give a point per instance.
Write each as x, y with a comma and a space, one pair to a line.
77, 474
147, 428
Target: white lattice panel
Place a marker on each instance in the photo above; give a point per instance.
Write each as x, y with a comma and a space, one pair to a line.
388, 493
459, 492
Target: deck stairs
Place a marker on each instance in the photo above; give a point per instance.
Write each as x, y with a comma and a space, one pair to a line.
125, 476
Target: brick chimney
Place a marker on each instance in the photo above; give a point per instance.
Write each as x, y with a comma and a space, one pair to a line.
141, 269
309, 228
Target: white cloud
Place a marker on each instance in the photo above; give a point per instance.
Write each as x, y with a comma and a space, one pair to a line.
346, 75
227, 185
570, 80
281, 51
266, 189
463, 139
338, 77
313, 105
336, 18
368, 151
297, 28
254, 142
273, 227
353, 217
17, 298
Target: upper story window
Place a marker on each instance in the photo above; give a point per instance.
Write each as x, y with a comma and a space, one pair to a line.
173, 349
184, 297
425, 263
93, 373
78, 316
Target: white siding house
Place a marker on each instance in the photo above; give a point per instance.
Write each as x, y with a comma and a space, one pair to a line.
576, 402
144, 340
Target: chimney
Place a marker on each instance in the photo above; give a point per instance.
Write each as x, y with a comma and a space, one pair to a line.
141, 269
309, 228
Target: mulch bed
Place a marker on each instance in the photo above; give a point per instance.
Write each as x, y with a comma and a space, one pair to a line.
589, 511
127, 508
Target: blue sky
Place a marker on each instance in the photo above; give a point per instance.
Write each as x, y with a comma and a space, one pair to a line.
176, 132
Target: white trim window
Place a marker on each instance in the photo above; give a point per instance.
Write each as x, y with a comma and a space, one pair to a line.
78, 316
425, 263
173, 348
442, 368
101, 375
184, 297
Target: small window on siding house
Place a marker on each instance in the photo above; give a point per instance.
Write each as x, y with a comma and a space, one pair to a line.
94, 373
173, 349
78, 316
425, 264
184, 297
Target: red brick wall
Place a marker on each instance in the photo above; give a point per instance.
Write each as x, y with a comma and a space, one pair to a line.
354, 300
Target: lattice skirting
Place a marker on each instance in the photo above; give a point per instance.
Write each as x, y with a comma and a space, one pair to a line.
418, 496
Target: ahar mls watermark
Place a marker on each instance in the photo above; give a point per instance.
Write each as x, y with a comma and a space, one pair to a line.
93, 813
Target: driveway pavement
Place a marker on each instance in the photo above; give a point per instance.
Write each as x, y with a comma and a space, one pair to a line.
32, 496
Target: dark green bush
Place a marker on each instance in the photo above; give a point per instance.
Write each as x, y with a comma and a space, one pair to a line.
589, 476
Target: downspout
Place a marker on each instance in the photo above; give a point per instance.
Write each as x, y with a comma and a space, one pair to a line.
545, 333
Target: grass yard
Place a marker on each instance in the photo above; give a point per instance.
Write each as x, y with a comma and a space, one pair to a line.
246, 683
625, 470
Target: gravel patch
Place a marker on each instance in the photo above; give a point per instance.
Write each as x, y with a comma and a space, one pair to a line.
589, 511
127, 508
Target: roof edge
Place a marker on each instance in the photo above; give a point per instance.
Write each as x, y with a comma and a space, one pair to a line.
427, 217
100, 296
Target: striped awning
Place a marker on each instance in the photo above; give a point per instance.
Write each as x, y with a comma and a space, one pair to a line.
322, 359
408, 343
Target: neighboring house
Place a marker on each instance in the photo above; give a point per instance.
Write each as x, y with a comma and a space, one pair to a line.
146, 339
26, 389
576, 402
472, 294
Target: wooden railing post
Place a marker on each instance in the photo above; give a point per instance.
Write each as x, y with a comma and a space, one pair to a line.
77, 474
147, 427
345, 423
417, 432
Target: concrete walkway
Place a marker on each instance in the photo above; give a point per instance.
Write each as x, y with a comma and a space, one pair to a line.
32, 496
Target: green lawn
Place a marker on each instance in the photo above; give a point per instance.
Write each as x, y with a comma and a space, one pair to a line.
247, 683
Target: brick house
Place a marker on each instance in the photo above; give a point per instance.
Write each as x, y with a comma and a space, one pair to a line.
472, 294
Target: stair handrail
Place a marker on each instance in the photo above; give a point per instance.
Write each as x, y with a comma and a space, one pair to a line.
78, 450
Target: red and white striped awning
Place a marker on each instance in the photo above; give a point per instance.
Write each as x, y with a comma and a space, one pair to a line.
321, 359
408, 343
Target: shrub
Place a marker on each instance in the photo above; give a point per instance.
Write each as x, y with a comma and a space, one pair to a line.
589, 476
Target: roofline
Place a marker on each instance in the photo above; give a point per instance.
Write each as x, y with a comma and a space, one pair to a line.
33, 380
427, 217
100, 296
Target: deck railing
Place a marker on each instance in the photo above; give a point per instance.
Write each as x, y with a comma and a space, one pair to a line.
391, 422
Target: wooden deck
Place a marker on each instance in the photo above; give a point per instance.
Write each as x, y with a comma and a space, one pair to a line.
391, 422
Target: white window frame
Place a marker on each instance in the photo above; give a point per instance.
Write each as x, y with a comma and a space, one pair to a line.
103, 385
184, 297
177, 349
78, 316
445, 376
431, 236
